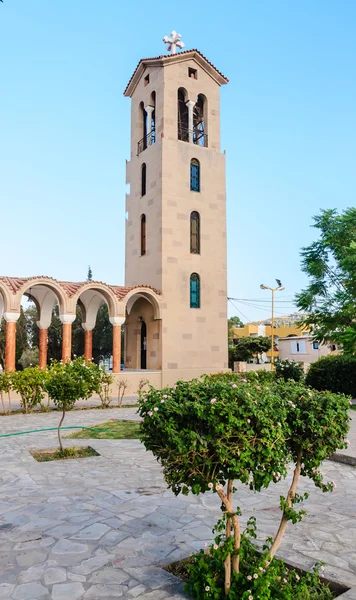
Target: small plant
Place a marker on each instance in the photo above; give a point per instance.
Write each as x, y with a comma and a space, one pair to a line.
122, 387
106, 380
141, 386
5, 388
68, 382
289, 369
30, 384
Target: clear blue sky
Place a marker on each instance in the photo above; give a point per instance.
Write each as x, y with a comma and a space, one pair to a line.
288, 126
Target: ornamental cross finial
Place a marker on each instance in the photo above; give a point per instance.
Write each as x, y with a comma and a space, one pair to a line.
173, 42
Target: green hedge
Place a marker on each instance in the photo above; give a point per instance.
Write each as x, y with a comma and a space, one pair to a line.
334, 373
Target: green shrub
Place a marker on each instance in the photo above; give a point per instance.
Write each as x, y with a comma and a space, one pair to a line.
289, 369
334, 373
259, 577
30, 385
259, 376
208, 433
71, 381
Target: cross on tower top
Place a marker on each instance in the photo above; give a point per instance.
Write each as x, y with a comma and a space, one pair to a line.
173, 42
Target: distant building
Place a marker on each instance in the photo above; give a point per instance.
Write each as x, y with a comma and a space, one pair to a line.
284, 327
304, 349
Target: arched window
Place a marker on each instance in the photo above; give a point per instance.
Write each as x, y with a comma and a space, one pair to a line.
194, 175
194, 233
183, 126
143, 179
194, 290
143, 235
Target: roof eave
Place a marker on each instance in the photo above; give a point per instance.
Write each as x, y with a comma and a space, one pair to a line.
161, 61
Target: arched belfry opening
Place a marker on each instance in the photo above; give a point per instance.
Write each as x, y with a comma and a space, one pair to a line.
183, 118
200, 121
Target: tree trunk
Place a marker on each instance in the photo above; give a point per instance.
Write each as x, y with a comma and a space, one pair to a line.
236, 527
290, 496
59, 429
227, 563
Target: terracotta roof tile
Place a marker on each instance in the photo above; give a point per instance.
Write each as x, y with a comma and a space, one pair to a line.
14, 284
168, 56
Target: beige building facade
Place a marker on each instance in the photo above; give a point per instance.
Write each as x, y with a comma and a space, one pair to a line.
176, 216
173, 306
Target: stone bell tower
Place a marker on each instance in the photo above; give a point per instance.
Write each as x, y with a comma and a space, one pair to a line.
176, 210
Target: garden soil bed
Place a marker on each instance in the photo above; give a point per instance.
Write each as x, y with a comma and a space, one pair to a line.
179, 569
69, 453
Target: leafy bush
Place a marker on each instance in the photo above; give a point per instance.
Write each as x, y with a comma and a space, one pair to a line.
5, 387
71, 381
289, 369
258, 376
334, 373
208, 433
30, 384
258, 578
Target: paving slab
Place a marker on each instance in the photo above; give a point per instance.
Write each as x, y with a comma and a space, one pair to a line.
100, 527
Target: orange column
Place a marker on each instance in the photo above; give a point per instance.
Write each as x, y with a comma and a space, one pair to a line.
67, 342
43, 348
10, 350
116, 348
88, 344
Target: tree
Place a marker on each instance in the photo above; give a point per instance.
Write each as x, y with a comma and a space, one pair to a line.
71, 381
102, 335
249, 347
90, 274
330, 263
231, 323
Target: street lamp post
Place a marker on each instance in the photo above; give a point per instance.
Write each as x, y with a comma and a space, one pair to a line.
279, 288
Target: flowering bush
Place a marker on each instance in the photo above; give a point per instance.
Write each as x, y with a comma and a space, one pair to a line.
289, 369
259, 577
208, 433
71, 381
30, 384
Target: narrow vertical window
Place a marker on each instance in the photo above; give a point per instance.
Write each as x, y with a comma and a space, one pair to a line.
143, 235
194, 290
143, 179
194, 233
194, 175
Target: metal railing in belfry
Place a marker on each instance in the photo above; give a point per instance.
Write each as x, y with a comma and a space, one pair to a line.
198, 137
146, 141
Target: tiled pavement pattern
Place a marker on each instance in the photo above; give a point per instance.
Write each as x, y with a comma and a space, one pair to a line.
95, 528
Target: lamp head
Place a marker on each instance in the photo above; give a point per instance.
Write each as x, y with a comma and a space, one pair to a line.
263, 287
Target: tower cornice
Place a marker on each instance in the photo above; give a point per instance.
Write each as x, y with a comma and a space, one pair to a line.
167, 59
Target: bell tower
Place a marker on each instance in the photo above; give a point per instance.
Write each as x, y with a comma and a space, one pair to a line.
176, 210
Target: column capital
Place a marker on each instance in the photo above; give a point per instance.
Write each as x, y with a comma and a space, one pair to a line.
149, 108
41, 326
67, 319
190, 103
11, 317
117, 320
88, 326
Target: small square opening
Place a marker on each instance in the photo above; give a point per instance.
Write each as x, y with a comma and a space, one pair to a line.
147, 80
193, 73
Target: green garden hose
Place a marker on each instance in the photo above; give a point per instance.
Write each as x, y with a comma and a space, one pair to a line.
49, 429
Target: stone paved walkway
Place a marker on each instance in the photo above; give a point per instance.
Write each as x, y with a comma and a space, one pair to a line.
96, 528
